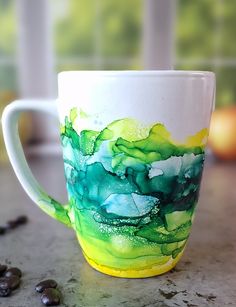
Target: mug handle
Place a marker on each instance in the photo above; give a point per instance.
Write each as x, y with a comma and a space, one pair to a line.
17, 158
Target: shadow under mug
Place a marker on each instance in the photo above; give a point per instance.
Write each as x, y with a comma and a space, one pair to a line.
133, 148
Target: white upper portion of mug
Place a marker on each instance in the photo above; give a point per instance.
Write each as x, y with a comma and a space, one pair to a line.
181, 100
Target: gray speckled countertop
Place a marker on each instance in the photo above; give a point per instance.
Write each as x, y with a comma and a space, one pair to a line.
206, 275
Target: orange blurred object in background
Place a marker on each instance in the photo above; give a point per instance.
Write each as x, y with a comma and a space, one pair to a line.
222, 136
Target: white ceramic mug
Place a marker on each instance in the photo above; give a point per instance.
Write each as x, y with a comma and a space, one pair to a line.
133, 147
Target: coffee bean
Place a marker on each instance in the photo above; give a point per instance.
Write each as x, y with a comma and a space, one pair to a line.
3, 269
4, 284
22, 219
2, 230
50, 297
5, 292
13, 271
45, 284
12, 224
12, 282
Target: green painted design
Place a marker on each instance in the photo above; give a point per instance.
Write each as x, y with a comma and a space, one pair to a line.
54, 209
132, 191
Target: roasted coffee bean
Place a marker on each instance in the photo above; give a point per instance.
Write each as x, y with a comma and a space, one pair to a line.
12, 224
3, 269
22, 219
45, 284
4, 284
13, 271
2, 230
5, 292
11, 283
50, 297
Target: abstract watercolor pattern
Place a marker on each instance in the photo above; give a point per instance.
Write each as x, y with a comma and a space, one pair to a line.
132, 192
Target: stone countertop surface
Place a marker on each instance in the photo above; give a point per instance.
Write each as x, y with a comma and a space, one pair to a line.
44, 248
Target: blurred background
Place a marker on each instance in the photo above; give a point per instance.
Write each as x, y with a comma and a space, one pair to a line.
38, 39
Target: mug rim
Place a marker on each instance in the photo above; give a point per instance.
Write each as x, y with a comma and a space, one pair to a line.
138, 73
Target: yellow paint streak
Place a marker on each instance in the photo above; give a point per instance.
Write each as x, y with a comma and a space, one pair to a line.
153, 270
199, 139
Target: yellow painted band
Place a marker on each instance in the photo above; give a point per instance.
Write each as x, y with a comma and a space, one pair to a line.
148, 272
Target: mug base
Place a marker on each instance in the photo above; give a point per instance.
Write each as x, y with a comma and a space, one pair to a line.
155, 270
